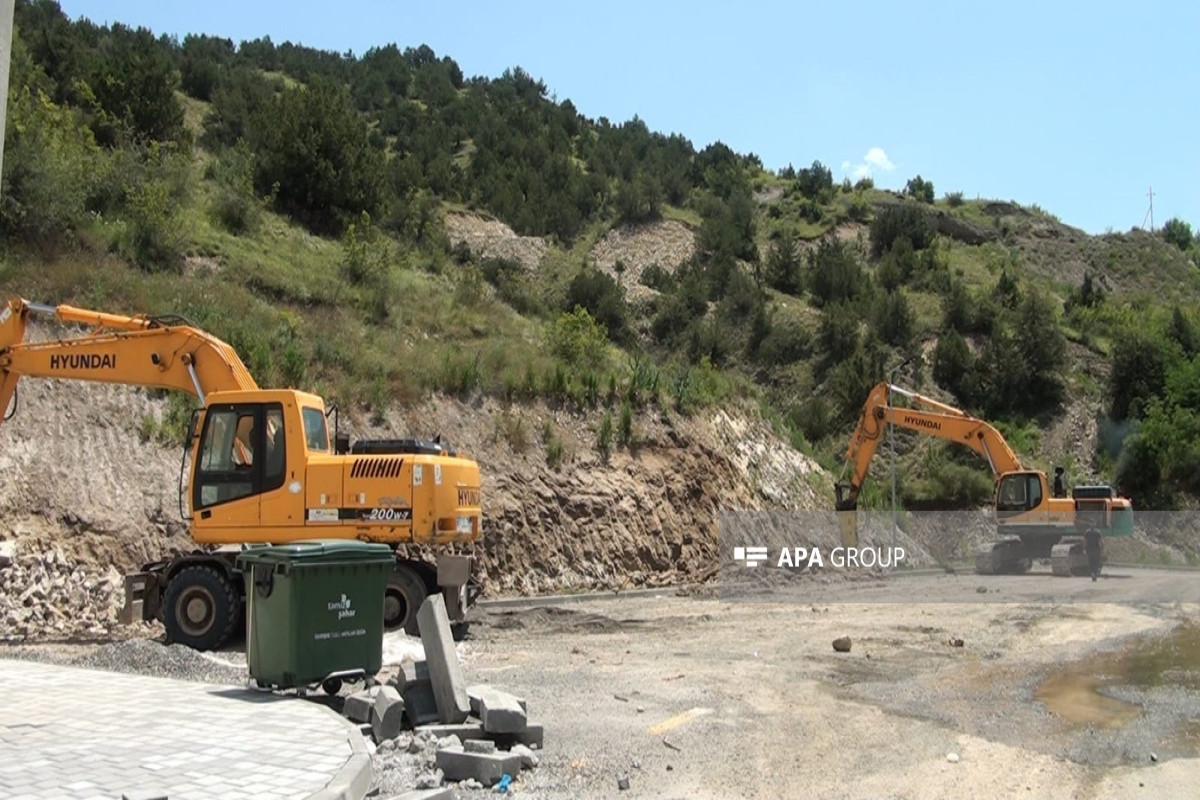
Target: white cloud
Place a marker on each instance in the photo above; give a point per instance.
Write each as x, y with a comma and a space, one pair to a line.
879, 159
875, 160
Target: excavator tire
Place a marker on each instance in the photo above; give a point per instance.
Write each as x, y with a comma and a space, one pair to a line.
403, 598
201, 608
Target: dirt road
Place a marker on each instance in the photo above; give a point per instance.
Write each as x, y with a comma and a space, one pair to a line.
699, 698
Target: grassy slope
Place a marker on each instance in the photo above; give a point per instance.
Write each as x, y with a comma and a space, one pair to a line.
281, 289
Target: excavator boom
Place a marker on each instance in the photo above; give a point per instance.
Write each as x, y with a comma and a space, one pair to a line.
926, 416
158, 352
155, 352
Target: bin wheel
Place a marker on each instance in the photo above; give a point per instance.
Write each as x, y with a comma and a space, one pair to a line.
200, 608
331, 686
402, 599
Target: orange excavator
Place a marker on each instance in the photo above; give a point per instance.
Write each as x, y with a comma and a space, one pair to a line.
263, 469
1032, 518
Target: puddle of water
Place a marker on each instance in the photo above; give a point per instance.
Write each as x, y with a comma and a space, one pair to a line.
1075, 698
1074, 693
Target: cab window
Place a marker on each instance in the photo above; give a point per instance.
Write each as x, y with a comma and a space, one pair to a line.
242, 453
316, 431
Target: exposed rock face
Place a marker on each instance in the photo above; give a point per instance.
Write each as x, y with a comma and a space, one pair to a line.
85, 498
489, 238
666, 243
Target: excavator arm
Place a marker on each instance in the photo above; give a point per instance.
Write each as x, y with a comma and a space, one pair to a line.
158, 352
923, 415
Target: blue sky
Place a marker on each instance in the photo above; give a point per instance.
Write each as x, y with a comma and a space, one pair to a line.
1079, 107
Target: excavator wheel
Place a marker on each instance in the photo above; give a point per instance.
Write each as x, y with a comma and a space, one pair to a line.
404, 595
201, 608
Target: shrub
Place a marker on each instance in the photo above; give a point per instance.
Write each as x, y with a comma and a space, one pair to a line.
603, 299
920, 189
577, 338
625, 426
906, 221
954, 199
954, 366
892, 319
236, 208
1178, 233
657, 278
834, 273
604, 436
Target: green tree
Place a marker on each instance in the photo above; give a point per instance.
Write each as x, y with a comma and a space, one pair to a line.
815, 182
837, 334
1041, 342
1138, 373
604, 300
920, 189
954, 366
576, 338
1178, 233
834, 274
131, 88
784, 265
901, 221
639, 200
313, 153
1182, 331
892, 319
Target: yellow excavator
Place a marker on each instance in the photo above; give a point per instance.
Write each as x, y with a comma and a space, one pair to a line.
263, 469
1033, 520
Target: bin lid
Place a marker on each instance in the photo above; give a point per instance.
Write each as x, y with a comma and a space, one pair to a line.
318, 550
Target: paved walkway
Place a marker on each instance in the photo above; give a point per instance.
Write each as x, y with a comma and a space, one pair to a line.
74, 733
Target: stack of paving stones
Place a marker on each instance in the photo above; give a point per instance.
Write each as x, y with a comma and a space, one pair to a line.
428, 722
49, 596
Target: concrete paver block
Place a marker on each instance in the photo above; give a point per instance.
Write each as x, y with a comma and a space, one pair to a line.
476, 691
445, 673
420, 705
487, 768
144, 795
528, 757
358, 707
444, 793
387, 715
411, 673
501, 712
479, 746
463, 730
532, 736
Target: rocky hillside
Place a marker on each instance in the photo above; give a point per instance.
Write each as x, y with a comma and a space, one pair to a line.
85, 495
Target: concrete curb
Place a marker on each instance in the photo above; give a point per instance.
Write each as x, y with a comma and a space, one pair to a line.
352, 781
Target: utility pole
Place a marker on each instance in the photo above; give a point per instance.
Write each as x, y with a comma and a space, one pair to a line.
6, 27
1150, 213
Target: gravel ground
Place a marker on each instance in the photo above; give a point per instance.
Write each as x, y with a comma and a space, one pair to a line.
692, 697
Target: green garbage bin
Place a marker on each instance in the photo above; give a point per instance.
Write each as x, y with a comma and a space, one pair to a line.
314, 611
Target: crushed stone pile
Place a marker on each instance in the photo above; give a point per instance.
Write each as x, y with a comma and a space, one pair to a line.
148, 657
51, 596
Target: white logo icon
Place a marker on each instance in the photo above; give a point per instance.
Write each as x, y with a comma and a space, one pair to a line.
342, 608
751, 555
